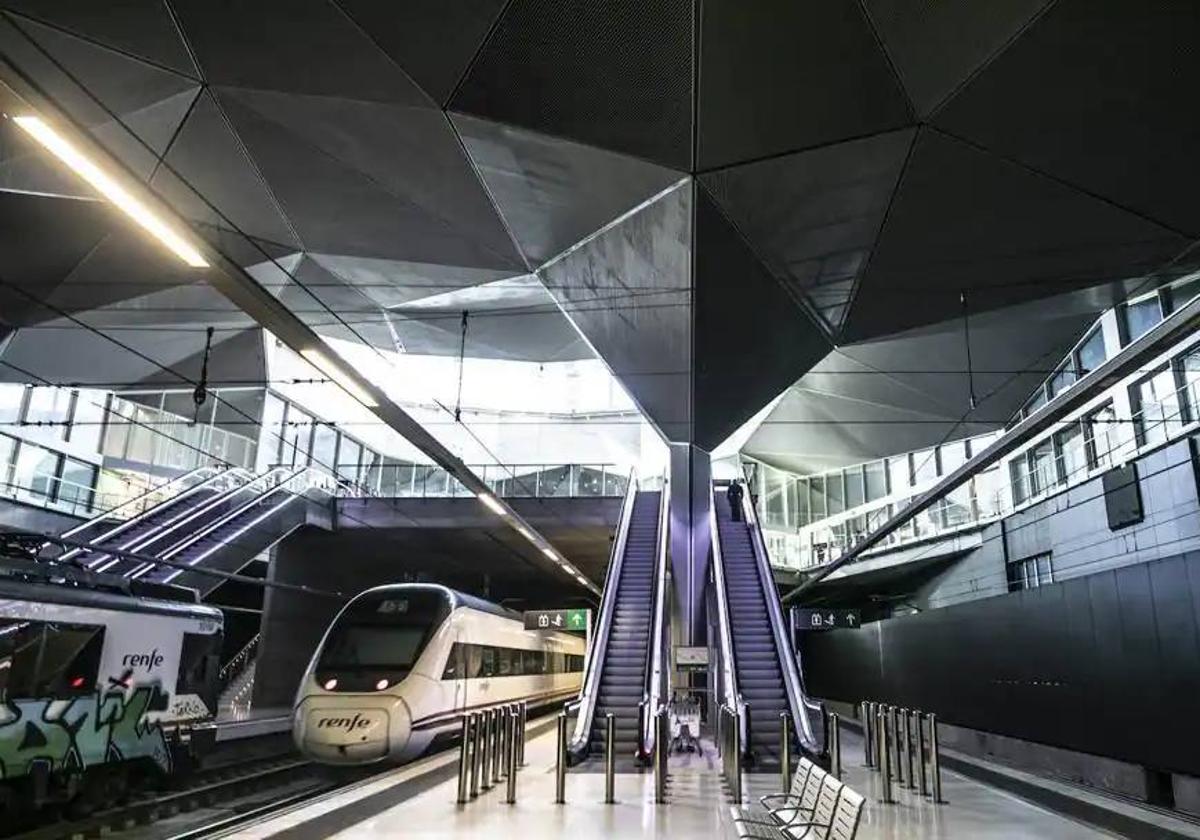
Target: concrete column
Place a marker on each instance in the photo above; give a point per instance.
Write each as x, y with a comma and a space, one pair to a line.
691, 474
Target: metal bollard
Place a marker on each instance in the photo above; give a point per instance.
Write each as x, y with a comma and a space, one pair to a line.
501, 742
737, 760
476, 758
464, 761
922, 778
902, 765
497, 745
485, 725
521, 741
785, 752
885, 766
876, 711
935, 763
610, 757
835, 747
511, 797
909, 773
660, 757
868, 731
560, 761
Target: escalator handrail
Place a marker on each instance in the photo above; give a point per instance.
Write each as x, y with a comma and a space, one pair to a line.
151, 536
155, 489
657, 676
282, 487
177, 526
594, 658
781, 629
724, 628
225, 519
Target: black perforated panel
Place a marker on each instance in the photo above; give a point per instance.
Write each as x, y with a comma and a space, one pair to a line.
615, 74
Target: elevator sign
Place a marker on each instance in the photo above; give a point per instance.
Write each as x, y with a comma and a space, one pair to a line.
804, 619
573, 620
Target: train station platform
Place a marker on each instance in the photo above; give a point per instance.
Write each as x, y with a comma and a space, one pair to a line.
418, 800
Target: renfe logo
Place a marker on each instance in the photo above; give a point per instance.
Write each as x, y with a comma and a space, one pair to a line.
149, 661
347, 723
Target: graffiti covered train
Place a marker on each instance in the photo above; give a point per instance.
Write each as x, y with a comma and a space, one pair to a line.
95, 687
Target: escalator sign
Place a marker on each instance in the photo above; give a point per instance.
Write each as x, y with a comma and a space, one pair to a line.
574, 620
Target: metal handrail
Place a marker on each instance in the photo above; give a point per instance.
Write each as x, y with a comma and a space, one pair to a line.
594, 658
230, 669
221, 521
151, 536
733, 697
173, 527
781, 629
656, 675
108, 514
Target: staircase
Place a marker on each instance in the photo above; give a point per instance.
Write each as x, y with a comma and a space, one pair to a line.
623, 672
234, 701
759, 678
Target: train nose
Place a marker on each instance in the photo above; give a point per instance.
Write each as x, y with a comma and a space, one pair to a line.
348, 735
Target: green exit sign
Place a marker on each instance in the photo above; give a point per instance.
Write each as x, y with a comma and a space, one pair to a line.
574, 620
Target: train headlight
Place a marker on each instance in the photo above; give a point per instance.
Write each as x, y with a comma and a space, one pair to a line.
381, 685
330, 684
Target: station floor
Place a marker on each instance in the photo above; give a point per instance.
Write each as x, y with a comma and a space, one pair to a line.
418, 801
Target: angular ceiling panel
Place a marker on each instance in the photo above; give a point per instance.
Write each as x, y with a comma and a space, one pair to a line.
1069, 99
304, 46
751, 339
628, 291
393, 283
813, 216
142, 28
347, 207
616, 75
937, 46
777, 76
211, 180
964, 221
551, 192
432, 40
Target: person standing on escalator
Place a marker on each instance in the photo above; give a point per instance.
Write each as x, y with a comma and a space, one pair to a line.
735, 500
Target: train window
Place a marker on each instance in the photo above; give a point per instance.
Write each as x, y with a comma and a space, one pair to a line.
199, 663
504, 662
48, 660
487, 666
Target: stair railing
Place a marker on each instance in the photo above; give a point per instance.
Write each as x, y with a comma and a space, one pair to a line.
236, 666
728, 665
657, 675
593, 662
781, 629
141, 497
281, 486
229, 478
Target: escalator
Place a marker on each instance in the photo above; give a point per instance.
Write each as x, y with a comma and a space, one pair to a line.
623, 673
764, 667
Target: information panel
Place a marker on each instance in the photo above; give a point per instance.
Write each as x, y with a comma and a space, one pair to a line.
574, 620
806, 619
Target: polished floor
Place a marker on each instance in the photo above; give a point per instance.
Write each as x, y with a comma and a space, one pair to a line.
418, 801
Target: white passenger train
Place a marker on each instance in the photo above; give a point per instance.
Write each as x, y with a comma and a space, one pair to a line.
401, 664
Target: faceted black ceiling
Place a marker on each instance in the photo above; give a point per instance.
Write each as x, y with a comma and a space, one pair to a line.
840, 172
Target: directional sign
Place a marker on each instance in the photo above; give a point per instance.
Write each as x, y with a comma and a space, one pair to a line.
574, 620
805, 619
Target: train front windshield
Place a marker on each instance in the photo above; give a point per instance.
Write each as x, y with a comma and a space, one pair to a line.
378, 639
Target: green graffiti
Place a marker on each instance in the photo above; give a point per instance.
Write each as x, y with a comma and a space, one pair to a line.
81, 732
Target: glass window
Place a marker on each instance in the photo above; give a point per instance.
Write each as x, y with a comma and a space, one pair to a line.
1062, 378
1042, 472
324, 446
1090, 354
855, 488
1030, 573
88, 423
1188, 366
11, 398
40, 659
272, 432
50, 405
835, 493
816, 489
36, 473
989, 492
348, 460
1022, 488
876, 472
898, 475
1182, 293
1155, 405
1140, 317
1070, 452
297, 434
77, 485
371, 473
1100, 436
1034, 402
952, 456
803, 512
924, 466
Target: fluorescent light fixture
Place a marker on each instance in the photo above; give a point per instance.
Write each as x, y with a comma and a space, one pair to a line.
549, 553
491, 501
524, 532
324, 364
108, 187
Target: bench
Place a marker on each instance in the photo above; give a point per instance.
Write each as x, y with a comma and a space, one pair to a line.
818, 807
